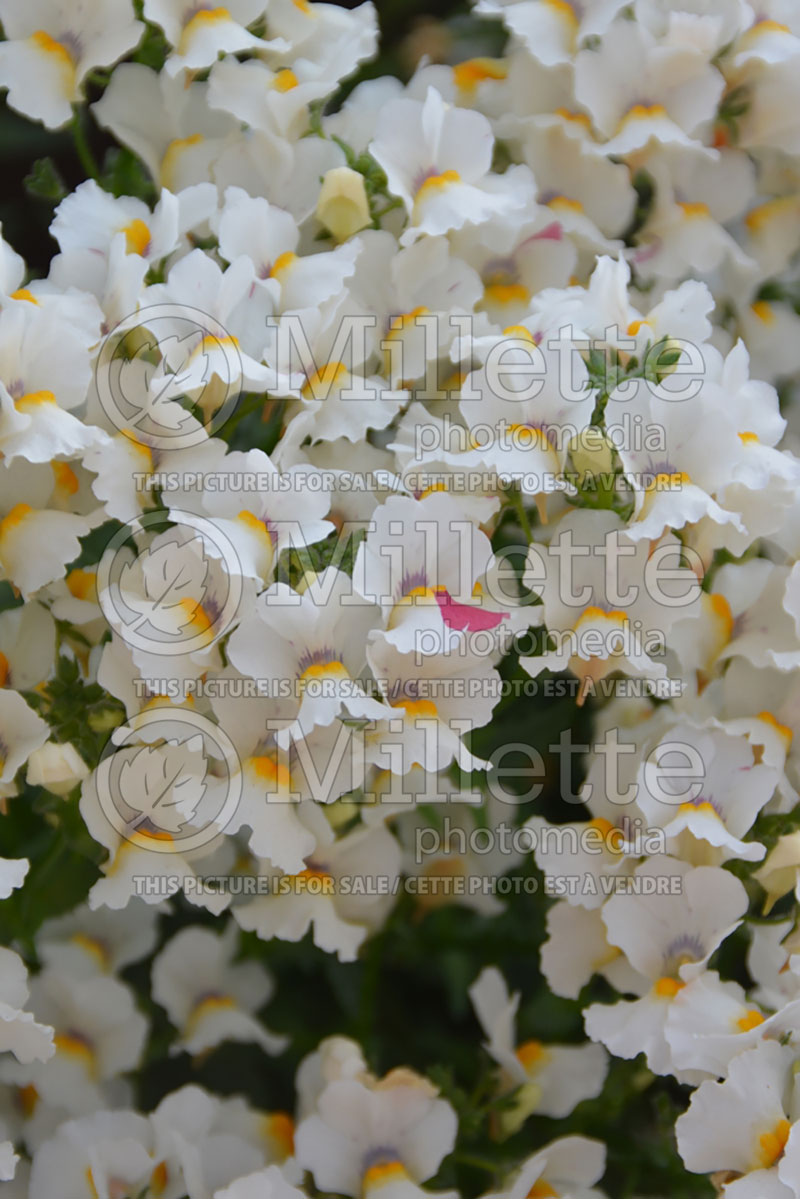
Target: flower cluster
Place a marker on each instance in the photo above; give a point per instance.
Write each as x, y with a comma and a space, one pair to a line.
374, 427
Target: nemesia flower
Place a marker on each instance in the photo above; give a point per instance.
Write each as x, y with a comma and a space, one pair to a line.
392, 1133
36, 540
208, 997
569, 1165
85, 942
325, 41
630, 86
711, 1022
99, 1035
28, 1040
344, 891
52, 46
667, 938
97, 1154
552, 1079
582, 930
421, 562
200, 33
707, 819
436, 159
615, 612
433, 701
269, 1183
747, 1129
89, 218
551, 32
317, 640
170, 126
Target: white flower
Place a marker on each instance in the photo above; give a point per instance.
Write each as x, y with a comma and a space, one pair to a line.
421, 561
285, 510
335, 1057
637, 88
568, 1166
8, 1161
99, 1035
269, 236
667, 937
52, 45
577, 947
552, 1079
200, 32
551, 32
390, 1136
36, 541
90, 218
315, 641
103, 1154
12, 874
56, 767
711, 1021
344, 891
434, 701
607, 599
705, 816
208, 997
21, 733
170, 126
19, 1032
437, 159
85, 942
326, 42
745, 1125
131, 857
269, 1183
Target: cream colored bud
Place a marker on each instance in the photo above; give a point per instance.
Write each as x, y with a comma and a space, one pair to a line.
781, 871
340, 813
663, 357
592, 453
105, 719
56, 767
307, 579
343, 207
525, 1102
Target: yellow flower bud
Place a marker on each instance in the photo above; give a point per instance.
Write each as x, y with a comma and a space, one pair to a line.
664, 356
343, 207
526, 1101
340, 813
306, 580
591, 453
56, 767
781, 870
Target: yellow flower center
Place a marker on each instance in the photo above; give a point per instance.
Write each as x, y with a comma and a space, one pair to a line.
137, 237
751, 1019
531, 1055
772, 1144
668, 988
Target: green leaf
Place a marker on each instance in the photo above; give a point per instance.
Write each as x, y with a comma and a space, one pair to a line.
45, 181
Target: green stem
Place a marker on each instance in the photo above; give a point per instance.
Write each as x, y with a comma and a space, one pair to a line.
480, 1163
519, 507
82, 145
